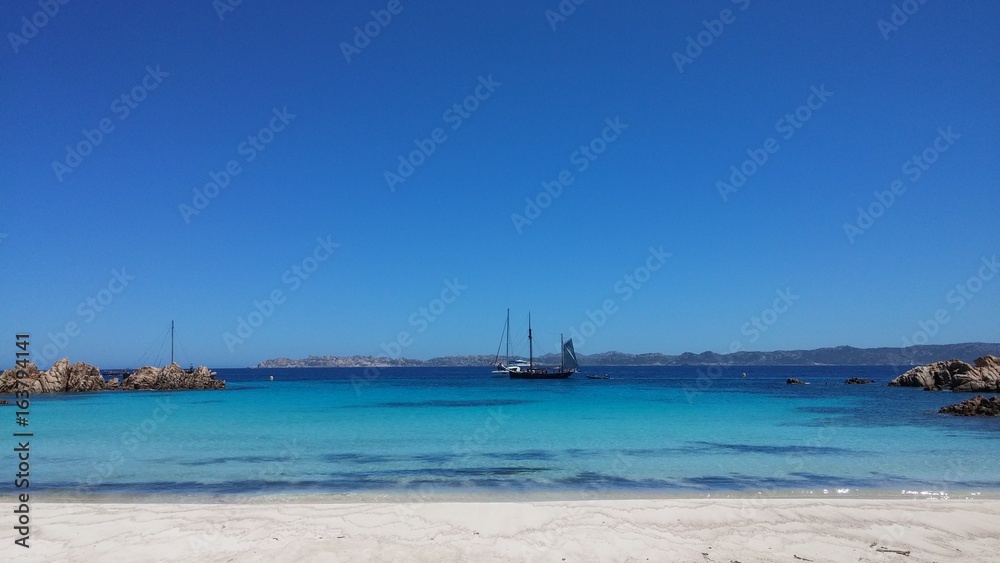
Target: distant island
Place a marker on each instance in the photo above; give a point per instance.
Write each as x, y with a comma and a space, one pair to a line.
840, 355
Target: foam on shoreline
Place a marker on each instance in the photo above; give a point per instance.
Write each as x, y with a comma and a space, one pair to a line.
486, 496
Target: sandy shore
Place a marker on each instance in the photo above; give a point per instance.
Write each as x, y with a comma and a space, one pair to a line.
615, 530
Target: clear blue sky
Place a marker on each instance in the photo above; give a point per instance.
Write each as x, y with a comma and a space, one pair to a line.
220, 80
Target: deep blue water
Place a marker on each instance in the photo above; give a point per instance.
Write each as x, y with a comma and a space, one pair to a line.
649, 430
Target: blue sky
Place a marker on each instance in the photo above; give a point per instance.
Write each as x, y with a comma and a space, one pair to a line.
324, 131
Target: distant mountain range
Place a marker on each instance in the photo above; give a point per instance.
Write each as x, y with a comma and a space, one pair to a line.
841, 355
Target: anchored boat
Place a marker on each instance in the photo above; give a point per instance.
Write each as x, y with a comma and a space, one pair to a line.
528, 370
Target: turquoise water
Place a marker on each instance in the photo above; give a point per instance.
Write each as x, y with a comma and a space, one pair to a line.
650, 430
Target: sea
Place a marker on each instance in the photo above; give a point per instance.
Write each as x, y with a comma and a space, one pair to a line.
422, 433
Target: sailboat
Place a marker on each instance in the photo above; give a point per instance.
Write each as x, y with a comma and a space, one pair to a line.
190, 369
127, 372
501, 369
527, 370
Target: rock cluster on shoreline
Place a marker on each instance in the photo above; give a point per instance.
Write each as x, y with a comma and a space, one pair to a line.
81, 377
956, 375
976, 406
172, 377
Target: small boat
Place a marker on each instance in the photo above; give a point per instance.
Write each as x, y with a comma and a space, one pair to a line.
508, 367
595, 376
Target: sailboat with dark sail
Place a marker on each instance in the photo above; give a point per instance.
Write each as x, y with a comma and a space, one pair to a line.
528, 370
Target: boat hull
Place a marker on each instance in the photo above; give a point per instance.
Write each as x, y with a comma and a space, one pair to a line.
540, 375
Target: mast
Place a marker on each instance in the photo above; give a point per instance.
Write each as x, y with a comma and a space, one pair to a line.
562, 354
507, 330
171, 341
531, 360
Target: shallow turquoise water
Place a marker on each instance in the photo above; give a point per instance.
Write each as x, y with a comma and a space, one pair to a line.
649, 430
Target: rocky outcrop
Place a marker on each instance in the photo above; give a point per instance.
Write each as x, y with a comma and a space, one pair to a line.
932, 376
793, 381
172, 377
956, 375
859, 381
84, 377
60, 378
976, 406
8, 379
984, 376
80, 377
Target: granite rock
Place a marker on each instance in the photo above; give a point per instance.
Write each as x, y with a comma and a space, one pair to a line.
983, 375
976, 406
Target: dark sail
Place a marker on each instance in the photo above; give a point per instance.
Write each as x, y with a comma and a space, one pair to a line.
569, 362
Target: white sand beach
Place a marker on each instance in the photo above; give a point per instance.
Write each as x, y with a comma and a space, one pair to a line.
726, 530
